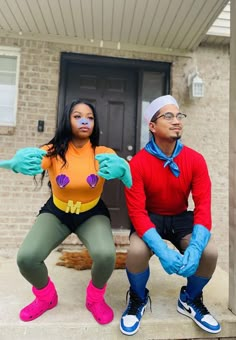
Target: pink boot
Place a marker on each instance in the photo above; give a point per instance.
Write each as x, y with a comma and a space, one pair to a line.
46, 299
96, 304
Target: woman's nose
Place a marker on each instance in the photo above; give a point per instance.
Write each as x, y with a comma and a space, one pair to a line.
83, 121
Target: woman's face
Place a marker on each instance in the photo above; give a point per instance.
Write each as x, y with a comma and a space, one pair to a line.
82, 121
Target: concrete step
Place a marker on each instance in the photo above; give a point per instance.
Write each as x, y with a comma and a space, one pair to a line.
70, 320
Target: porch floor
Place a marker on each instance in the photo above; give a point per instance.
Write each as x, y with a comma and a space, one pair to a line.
71, 320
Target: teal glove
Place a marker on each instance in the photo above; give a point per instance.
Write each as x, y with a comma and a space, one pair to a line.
27, 161
193, 253
171, 260
112, 166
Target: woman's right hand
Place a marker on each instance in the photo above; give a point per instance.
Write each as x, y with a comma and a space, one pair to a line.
26, 161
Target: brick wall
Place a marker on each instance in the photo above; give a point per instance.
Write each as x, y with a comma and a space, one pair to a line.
206, 129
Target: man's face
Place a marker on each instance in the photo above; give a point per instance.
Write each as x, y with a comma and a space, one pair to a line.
167, 125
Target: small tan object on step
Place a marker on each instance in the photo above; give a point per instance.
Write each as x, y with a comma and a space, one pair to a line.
81, 260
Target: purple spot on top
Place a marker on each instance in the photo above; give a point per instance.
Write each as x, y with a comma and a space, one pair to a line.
92, 180
62, 180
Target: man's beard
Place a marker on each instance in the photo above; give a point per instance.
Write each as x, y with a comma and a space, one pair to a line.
176, 137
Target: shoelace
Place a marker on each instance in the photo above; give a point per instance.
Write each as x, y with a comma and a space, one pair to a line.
135, 303
199, 305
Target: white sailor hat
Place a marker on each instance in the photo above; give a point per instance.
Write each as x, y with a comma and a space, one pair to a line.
157, 104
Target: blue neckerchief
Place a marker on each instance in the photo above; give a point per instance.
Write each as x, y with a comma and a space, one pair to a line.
154, 150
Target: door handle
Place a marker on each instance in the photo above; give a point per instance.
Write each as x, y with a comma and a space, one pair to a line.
129, 157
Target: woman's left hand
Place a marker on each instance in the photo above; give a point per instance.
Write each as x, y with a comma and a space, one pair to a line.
112, 166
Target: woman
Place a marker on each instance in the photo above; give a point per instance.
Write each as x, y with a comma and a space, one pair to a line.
76, 166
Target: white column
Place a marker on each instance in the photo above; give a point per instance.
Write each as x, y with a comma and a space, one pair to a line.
232, 163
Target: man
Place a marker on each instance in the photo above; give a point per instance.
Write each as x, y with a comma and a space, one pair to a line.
164, 174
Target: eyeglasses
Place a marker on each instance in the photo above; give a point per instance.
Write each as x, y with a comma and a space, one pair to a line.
170, 116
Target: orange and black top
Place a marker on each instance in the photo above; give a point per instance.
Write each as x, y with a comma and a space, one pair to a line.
75, 185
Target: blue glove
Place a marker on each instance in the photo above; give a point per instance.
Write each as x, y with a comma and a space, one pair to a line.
171, 260
112, 166
26, 161
193, 253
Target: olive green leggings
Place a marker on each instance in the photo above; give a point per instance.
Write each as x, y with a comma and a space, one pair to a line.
48, 232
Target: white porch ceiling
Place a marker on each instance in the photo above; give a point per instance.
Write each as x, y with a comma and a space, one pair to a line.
156, 24
219, 32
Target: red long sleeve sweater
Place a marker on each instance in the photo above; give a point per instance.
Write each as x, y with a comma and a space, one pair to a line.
155, 189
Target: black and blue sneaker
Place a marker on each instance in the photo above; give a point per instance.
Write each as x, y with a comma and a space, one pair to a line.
196, 310
130, 320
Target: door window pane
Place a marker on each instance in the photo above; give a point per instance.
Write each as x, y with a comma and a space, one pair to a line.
152, 87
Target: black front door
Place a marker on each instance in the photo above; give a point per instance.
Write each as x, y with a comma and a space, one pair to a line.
118, 88
113, 91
